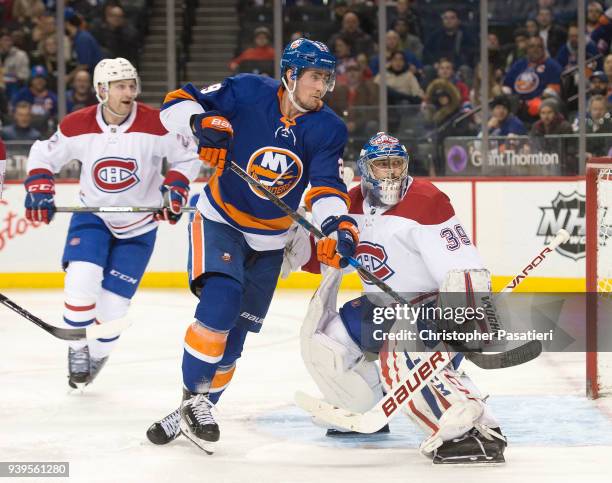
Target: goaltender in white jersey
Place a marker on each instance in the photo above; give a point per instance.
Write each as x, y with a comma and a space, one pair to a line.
411, 239
121, 145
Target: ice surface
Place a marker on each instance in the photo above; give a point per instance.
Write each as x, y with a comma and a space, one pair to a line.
555, 433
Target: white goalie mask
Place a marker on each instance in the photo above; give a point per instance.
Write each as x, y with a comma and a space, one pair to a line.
383, 166
110, 70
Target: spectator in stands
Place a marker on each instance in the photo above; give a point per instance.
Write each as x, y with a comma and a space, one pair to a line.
392, 43
360, 41
339, 10
442, 101
402, 85
408, 41
598, 121
594, 13
502, 122
568, 53
531, 76
553, 35
43, 101
349, 100
86, 48
262, 50
44, 26
46, 55
405, 10
496, 55
446, 71
81, 94
116, 37
495, 86
342, 51
452, 41
14, 64
21, 129
607, 65
598, 81
532, 27
25, 10
519, 47
551, 120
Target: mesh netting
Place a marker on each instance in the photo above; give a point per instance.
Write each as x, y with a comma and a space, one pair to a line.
604, 279
604, 229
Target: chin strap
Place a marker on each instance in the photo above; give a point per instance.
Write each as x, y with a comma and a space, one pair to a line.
291, 98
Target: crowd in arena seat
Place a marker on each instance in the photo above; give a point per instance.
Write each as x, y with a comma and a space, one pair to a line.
94, 29
433, 67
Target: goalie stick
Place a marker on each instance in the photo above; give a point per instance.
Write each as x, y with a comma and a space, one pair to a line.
92, 332
424, 371
520, 355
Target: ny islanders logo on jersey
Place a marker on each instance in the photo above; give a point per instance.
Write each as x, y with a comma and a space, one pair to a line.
374, 258
527, 82
279, 170
114, 175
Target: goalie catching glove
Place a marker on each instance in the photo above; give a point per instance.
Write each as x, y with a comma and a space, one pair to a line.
176, 189
215, 134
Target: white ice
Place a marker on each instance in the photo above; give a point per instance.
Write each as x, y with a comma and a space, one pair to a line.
555, 434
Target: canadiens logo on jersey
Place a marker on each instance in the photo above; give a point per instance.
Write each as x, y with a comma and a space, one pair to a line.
374, 258
279, 170
113, 175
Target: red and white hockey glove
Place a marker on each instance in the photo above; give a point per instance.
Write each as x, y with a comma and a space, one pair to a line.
215, 134
39, 202
176, 186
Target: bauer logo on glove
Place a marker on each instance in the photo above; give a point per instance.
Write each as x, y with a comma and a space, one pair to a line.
214, 133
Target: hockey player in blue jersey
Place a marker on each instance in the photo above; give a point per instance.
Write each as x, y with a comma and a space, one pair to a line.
283, 135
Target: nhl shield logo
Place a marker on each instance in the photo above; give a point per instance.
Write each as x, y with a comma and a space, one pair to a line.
567, 212
114, 175
279, 170
374, 258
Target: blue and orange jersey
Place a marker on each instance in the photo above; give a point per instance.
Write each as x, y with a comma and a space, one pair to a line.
285, 155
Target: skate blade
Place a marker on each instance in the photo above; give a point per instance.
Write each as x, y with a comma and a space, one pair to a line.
471, 462
206, 446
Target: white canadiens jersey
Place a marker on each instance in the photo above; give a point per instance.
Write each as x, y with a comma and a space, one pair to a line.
120, 165
412, 245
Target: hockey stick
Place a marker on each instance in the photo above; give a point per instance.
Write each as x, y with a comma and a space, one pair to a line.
92, 332
115, 209
423, 372
486, 361
374, 419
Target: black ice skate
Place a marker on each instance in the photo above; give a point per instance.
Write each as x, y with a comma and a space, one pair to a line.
166, 429
197, 422
95, 366
338, 433
78, 367
472, 448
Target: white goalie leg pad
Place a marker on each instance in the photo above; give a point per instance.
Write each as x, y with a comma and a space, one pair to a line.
110, 307
82, 286
470, 280
459, 407
332, 358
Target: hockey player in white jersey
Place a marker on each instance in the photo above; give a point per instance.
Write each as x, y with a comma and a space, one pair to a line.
121, 145
413, 241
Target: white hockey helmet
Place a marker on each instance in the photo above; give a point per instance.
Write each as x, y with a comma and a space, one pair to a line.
109, 70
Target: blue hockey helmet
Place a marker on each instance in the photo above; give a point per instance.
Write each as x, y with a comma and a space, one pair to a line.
383, 166
308, 54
